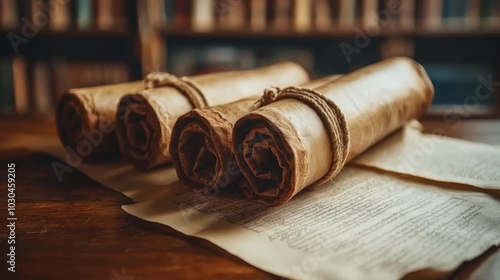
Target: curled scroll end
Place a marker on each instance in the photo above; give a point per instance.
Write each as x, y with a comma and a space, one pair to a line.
159, 79
268, 97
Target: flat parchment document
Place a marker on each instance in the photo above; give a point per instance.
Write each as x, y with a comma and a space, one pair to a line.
435, 157
361, 225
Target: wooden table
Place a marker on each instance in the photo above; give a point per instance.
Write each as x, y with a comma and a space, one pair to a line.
77, 230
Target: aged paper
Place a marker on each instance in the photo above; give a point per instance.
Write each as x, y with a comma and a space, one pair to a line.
361, 225
437, 158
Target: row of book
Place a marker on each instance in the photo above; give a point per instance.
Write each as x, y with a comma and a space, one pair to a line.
28, 87
322, 15
63, 15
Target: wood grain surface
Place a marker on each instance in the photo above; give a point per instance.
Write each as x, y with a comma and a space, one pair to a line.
75, 229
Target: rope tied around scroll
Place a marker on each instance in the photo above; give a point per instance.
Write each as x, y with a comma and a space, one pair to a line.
331, 116
269, 96
185, 85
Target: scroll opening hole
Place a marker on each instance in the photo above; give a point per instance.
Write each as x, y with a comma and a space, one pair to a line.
74, 122
137, 129
264, 162
197, 154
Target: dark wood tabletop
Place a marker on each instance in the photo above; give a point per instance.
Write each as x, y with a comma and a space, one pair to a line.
75, 229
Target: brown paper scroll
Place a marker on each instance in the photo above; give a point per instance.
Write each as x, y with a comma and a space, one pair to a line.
306, 136
85, 119
144, 127
201, 144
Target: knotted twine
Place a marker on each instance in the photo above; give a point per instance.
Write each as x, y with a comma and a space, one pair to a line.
185, 85
331, 116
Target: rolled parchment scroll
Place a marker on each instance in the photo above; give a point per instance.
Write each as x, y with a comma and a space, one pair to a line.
85, 119
305, 137
201, 144
144, 127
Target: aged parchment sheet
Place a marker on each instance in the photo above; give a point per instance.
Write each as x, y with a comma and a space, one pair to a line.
361, 225
434, 157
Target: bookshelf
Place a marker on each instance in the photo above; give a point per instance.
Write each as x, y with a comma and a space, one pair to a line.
456, 40
49, 46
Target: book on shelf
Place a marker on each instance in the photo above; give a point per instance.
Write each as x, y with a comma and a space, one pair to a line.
111, 14
230, 14
407, 15
454, 12
34, 87
322, 16
21, 82
473, 16
38, 14
490, 13
105, 14
170, 12
156, 12
9, 14
302, 15
431, 11
258, 11
182, 14
60, 17
280, 12
84, 14
203, 16
347, 14
369, 14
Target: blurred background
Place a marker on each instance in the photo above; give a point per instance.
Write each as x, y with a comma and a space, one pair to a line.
49, 46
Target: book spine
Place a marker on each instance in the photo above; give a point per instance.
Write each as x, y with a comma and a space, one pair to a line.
60, 19
170, 12
302, 15
258, 15
104, 19
322, 15
84, 15
231, 14
282, 14
432, 12
454, 13
20, 72
202, 16
347, 14
9, 14
369, 14
407, 15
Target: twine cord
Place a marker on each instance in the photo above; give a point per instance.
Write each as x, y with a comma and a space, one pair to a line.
331, 116
185, 85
